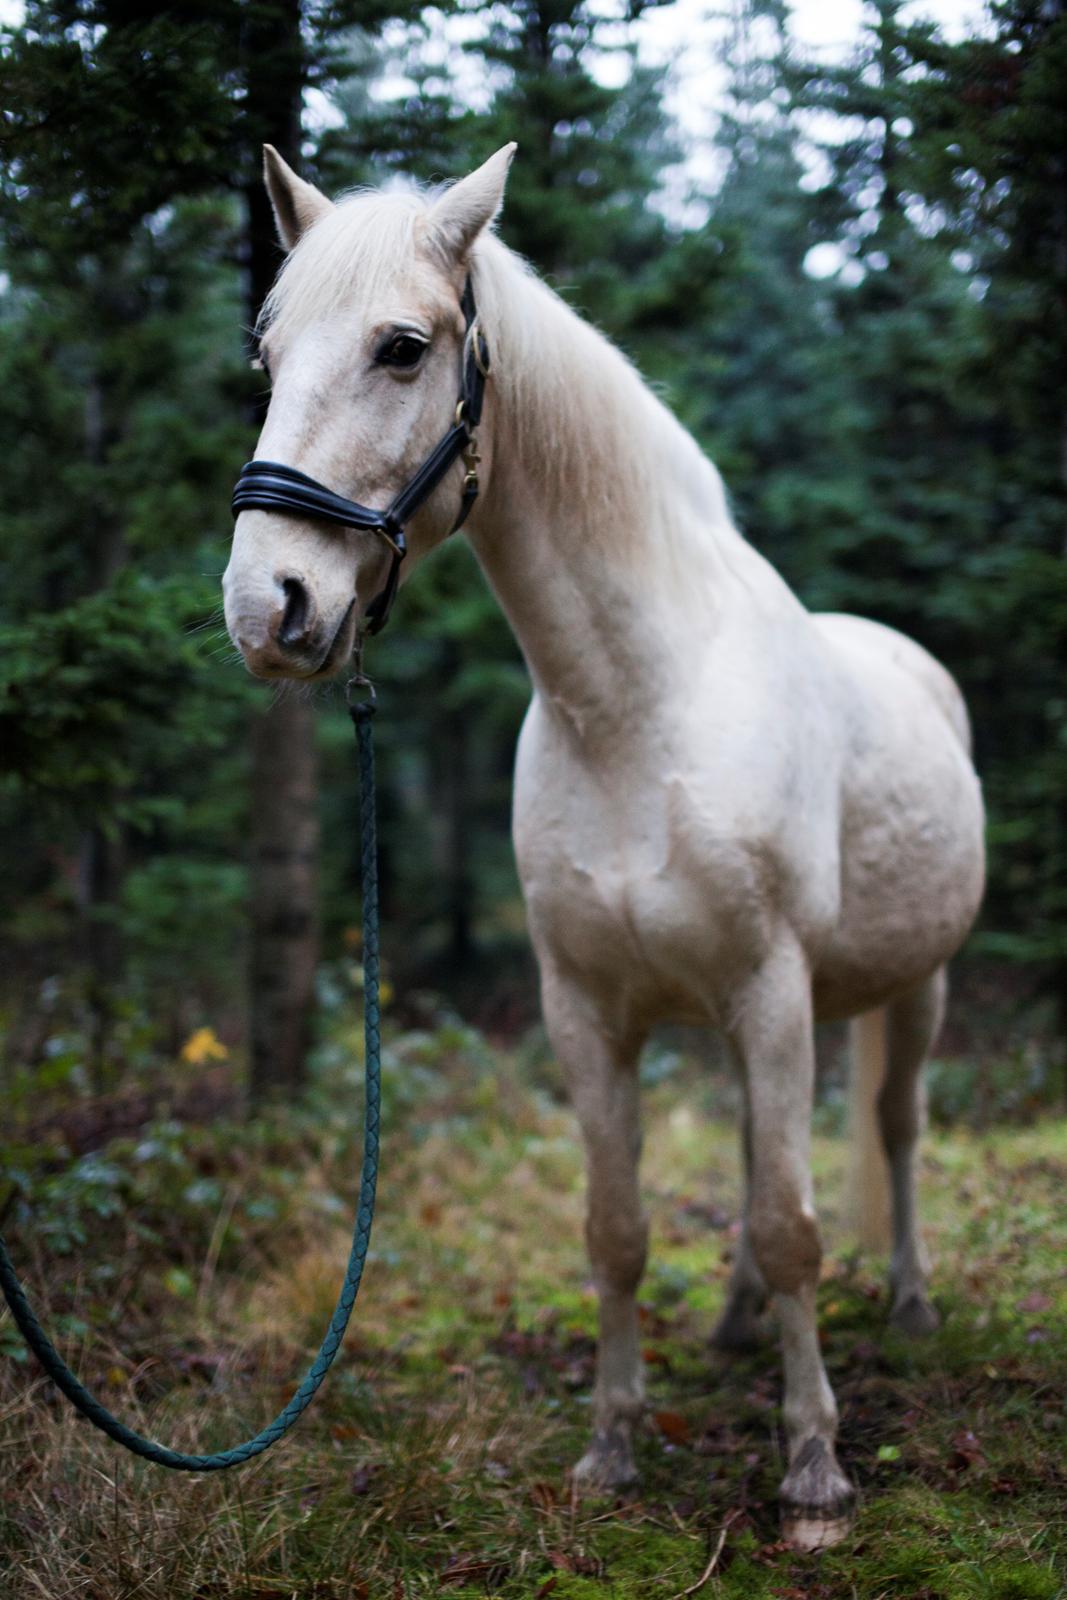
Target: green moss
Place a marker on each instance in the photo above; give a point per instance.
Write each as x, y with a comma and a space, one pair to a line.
1014, 1580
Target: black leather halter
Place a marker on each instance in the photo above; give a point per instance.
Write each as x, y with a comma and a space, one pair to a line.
270, 486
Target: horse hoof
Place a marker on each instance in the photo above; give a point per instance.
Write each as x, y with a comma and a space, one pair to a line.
914, 1316
810, 1534
816, 1499
607, 1466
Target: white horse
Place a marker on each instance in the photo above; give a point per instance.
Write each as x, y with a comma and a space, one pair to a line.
727, 810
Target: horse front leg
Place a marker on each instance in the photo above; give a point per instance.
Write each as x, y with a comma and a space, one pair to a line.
602, 1078
774, 1035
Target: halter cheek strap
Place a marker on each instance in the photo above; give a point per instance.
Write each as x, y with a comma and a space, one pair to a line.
272, 486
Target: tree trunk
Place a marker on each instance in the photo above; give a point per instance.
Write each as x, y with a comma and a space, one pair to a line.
101, 869
285, 853
102, 856
457, 865
285, 827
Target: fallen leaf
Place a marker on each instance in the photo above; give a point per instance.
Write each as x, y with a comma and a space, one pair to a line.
343, 1431
543, 1496
673, 1426
966, 1451
582, 1566
465, 1568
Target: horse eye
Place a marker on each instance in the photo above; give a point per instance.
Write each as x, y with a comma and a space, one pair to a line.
402, 350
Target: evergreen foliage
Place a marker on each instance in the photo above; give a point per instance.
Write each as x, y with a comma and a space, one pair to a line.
951, 205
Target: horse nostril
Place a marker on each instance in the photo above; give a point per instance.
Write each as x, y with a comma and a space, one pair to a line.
293, 628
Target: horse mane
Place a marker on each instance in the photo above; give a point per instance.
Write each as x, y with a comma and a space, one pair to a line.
575, 412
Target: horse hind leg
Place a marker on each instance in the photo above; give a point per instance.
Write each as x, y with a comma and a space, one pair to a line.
740, 1327
602, 1078
912, 1025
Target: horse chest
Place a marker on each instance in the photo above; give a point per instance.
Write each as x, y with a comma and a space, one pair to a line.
644, 888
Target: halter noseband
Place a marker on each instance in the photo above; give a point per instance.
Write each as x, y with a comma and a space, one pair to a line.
271, 486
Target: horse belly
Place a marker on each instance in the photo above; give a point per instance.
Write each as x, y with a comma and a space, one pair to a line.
912, 856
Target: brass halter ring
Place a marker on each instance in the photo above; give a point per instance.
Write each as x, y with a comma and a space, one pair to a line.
479, 351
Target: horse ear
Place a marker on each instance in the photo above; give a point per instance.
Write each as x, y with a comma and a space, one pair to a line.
470, 205
296, 204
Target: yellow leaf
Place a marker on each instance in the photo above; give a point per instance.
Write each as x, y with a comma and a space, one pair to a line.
203, 1045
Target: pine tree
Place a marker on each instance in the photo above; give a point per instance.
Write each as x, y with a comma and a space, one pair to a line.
950, 206
990, 153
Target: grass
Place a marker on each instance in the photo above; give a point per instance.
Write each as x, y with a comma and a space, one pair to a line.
434, 1462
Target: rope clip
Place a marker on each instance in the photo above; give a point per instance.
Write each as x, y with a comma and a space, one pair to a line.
360, 695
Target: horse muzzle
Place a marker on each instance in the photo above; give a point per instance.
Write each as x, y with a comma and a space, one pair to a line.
282, 632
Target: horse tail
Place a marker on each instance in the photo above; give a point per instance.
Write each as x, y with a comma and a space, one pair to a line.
869, 1183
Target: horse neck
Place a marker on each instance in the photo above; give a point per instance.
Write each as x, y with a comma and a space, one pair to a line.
604, 531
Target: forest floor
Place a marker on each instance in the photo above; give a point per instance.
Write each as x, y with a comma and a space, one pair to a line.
191, 1268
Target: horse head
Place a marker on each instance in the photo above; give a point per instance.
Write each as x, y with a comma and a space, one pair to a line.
367, 338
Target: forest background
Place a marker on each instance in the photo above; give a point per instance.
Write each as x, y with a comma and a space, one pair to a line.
851, 286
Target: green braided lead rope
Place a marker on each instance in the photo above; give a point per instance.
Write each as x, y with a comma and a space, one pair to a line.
45, 1350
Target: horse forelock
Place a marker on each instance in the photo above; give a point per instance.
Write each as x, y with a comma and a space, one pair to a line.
353, 248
